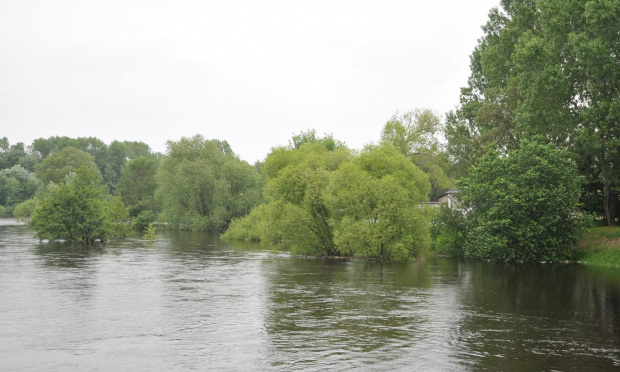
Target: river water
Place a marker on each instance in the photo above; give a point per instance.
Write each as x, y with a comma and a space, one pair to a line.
189, 302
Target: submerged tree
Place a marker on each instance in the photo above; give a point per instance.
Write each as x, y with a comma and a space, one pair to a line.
79, 210
324, 200
376, 202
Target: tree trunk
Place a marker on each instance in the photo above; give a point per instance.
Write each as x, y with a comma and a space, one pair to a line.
606, 199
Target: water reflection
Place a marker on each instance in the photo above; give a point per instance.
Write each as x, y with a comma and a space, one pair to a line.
345, 315
187, 301
533, 317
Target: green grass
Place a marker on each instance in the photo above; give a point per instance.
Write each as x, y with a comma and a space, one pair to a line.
600, 247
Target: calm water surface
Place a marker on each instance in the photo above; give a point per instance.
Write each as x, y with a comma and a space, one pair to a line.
189, 302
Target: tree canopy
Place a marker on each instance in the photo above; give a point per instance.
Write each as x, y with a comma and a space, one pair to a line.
415, 134
523, 205
202, 184
79, 210
325, 200
57, 166
547, 68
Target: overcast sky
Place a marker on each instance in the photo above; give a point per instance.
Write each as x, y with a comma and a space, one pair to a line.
250, 72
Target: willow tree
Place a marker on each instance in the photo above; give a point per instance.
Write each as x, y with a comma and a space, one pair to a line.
202, 184
377, 206
328, 201
415, 134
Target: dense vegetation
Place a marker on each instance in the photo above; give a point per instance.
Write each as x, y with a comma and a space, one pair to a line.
548, 68
329, 201
522, 207
203, 185
534, 146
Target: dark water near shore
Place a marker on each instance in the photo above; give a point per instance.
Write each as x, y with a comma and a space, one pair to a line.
189, 302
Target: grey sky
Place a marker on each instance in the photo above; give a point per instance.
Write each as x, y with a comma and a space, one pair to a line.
249, 72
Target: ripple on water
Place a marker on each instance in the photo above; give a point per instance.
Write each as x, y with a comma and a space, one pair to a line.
188, 302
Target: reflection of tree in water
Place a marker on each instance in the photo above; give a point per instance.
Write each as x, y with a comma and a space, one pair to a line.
68, 255
359, 311
533, 317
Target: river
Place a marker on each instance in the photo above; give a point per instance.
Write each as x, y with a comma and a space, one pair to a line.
189, 302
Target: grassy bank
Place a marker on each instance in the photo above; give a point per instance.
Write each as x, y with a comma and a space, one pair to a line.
601, 247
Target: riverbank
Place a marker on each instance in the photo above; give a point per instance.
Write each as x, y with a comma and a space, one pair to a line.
601, 247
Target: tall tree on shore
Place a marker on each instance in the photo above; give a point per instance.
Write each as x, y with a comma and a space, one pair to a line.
549, 68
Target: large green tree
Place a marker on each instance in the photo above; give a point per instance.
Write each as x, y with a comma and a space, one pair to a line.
415, 134
79, 210
202, 184
376, 206
138, 184
328, 201
551, 68
523, 205
57, 166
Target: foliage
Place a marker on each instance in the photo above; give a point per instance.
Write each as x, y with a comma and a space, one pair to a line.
143, 220
203, 185
150, 233
16, 185
325, 201
547, 68
137, 185
12, 155
449, 231
523, 206
78, 210
115, 218
25, 209
415, 135
296, 179
118, 154
328, 141
375, 206
57, 166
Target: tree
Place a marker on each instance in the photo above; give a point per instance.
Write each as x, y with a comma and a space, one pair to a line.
137, 185
547, 68
16, 185
415, 135
295, 181
79, 210
326, 201
117, 155
202, 184
376, 206
296, 215
57, 166
523, 205
11, 155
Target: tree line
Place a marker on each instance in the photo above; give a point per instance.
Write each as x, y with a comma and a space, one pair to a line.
534, 147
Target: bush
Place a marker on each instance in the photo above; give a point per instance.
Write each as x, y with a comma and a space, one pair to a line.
524, 206
449, 231
24, 210
144, 219
78, 211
